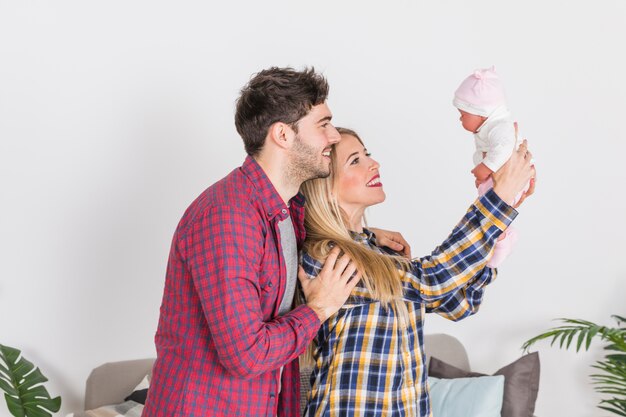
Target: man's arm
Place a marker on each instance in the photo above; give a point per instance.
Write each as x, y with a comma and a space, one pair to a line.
224, 252
327, 290
392, 240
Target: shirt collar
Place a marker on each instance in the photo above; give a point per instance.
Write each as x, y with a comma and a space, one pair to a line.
269, 197
500, 112
367, 236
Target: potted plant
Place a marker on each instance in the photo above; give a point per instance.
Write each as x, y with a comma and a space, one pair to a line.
23, 388
611, 378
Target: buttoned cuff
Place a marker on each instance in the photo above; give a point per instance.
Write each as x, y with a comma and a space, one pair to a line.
308, 319
496, 210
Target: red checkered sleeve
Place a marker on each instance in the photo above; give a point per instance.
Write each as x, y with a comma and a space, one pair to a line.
220, 342
225, 250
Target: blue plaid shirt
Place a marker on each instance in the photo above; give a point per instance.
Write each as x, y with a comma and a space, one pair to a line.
366, 363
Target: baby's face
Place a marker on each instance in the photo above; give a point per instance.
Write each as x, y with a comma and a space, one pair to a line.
471, 122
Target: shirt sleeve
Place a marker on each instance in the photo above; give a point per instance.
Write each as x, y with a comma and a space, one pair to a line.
466, 300
224, 250
501, 141
311, 266
463, 256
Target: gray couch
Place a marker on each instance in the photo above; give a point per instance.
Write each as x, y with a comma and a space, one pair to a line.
112, 382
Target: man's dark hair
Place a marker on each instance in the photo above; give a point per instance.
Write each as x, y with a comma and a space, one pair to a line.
276, 95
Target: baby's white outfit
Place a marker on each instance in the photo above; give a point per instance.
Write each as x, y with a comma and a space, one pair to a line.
495, 139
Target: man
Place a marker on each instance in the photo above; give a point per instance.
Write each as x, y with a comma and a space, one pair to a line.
228, 342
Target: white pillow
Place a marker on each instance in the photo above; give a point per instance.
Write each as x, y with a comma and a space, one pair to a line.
467, 397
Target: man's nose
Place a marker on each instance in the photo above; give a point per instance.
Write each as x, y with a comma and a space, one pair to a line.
335, 137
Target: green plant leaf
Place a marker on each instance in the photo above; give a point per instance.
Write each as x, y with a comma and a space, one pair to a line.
22, 382
8, 388
614, 405
581, 339
4, 370
570, 336
617, 357
611, 378
619, 319
34, 378
15, 406
590, 335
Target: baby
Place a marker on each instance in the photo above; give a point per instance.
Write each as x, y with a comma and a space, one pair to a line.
480, 100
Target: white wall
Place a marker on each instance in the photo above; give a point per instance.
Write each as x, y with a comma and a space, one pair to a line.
115, 115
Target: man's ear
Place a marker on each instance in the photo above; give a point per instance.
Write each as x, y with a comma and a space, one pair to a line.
281, 134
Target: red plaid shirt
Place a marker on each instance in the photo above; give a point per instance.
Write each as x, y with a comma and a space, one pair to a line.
220, 343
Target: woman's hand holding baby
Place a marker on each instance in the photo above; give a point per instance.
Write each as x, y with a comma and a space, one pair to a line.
514, 175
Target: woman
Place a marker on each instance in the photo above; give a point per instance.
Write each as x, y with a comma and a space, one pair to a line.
369, 357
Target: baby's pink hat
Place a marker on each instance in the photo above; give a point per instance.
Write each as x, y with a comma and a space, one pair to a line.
480, 93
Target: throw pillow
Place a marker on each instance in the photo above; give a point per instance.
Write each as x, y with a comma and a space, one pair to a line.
140, 392
468, 397
521, 382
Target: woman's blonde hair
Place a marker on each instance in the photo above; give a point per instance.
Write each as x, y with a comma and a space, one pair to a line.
326, 226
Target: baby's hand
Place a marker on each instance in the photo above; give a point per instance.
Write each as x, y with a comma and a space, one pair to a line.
481, 173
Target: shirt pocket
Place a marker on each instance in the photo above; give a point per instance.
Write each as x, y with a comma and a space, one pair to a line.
268, 284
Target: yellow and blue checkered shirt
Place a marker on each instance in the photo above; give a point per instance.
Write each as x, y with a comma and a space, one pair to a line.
366, 364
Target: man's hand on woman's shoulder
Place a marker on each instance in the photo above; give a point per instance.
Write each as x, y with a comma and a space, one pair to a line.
392, 240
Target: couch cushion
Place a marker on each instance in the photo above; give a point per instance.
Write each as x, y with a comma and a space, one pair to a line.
467, 397
521, 382
140, 393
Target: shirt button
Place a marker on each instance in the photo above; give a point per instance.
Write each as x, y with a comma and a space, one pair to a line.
270, 285
284, 211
